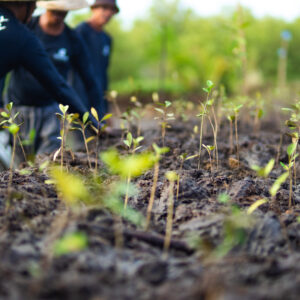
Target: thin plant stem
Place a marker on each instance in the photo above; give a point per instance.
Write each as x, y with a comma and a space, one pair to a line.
97, 148
12, 162
62, 144
216, 136
237, 140
231, 137
152, 196
200, 143
86, 148
23, 151
127, 191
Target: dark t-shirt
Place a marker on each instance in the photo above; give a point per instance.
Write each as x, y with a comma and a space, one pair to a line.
99, 45
66, 51
20, 47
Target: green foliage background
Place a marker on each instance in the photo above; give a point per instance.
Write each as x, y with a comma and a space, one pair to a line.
175, 50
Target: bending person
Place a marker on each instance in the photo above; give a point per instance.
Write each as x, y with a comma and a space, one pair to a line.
99, 44
66, 50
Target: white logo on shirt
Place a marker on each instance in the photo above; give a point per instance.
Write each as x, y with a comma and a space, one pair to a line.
61, 55
106, 50
3, 20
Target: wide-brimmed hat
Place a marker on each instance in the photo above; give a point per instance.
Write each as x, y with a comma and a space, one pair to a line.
63, 5
113, 3
22, 0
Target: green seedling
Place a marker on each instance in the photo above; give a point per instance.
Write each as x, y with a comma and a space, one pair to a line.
133, 144
233, 118
172, 177
70, 243
66, 121
291, 151
158, 153
137, 114
264, 171
183, 158
70, 187
98, 130
164, 118
128, 167
209, 149
84, 123
13, 128
203, 113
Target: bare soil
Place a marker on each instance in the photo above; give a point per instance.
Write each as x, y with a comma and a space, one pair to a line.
263, 264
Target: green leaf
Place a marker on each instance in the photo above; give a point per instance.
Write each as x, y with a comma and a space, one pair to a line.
223, 198
85, 117
9, 106
291, 149
168, 103
284, 166
256, 205
269, 167
63, 108
277, 184
209, 84
95, 114
5, 115
106, 117
13, 129
127, 143
71, 243
171, 176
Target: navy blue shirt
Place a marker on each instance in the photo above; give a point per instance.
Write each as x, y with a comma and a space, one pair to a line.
66, 51
20, 47
99, 44
2, 81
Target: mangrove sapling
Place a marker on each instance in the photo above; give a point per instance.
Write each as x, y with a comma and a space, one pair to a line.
158, 153
66, 120
164, 118
292, 155
202, 114
133, 146
209, 149
10, 119
264, 172
172, 177
100, 127
128, 167
83, 124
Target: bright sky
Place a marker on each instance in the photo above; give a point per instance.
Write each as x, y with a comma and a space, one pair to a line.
287, 9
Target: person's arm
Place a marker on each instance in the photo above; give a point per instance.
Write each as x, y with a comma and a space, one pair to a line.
35, 59
83, 65
2, 81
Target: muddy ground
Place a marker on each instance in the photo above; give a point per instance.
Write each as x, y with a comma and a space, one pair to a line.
216, 252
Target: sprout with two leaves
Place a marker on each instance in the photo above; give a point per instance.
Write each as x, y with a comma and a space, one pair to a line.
66, 120
209, 150
13, 128
133, 144
233, 118
164, 118
264, 172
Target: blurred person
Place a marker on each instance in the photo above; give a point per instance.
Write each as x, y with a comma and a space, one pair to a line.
21, 48
66, 51
99, 44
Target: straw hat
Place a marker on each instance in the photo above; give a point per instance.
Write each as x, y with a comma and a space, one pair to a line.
21, 0
62, 5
